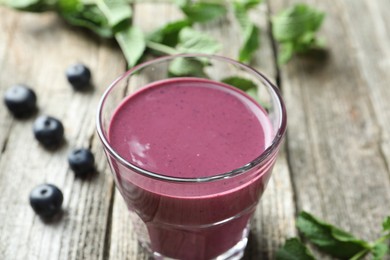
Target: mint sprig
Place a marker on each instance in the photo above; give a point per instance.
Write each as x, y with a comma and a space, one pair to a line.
239, 82
193, 41
294, 249
248, 86
30, 5
180, 67
88, 16
250, 32
328, 238
386, 224
379, 251
117, 12
295, 30
202, 12
334, 241
132, 42
168, 34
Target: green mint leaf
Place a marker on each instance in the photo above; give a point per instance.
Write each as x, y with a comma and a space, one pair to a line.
286, 53
249, 4
254, 93
30, 5
69, 6
250, 45
240, 12
180, 67
250, 33
246, 85
21, 4
293, 249
90, 17
202, 11
169, 33
379, 251
294, 22
240, 83
117, 12
386, 224
295, 28
192, 41
328, 238
132, 43
181, 3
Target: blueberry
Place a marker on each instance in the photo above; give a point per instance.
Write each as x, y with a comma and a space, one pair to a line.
82, 162
20, 101
46, 200
49, 131
78, 76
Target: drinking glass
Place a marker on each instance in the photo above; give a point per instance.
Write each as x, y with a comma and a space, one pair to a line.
197, 217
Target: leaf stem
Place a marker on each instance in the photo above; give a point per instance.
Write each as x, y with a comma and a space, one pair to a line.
103, 7
161, 48
382, 239
360, 254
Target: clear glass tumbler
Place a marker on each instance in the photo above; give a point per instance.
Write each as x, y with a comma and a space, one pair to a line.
201, 214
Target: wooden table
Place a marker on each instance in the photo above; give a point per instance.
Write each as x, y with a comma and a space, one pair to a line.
335, 161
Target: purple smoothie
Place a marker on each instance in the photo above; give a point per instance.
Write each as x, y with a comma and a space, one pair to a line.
191, 128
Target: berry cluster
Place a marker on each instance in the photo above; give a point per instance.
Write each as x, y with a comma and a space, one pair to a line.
21, 101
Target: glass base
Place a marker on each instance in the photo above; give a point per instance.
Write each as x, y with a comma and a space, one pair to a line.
234, 253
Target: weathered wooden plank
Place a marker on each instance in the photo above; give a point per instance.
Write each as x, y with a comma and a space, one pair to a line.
274, 219
8, 22
371, 36
38, 52
338, 120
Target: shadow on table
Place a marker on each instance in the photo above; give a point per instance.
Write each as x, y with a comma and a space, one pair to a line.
252, 251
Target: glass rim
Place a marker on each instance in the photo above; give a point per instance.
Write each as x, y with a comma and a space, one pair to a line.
271, 149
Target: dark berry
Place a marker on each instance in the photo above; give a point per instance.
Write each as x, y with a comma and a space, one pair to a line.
79, 76
46, 200
81, 161
49, 131
20, 100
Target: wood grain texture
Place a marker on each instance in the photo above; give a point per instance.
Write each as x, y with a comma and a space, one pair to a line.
338, 120
370, 36
37, 52
8, 23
